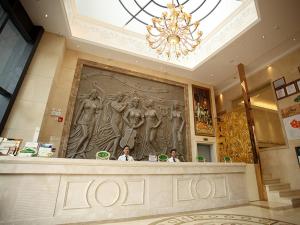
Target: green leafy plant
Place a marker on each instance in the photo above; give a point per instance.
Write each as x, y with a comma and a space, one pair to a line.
227, 159
200, 158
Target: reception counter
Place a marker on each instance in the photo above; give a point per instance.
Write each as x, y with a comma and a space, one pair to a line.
57, 191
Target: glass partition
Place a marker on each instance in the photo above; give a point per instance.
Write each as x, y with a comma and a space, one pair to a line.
14, 54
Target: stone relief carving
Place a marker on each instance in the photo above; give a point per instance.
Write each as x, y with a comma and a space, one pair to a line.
84, 123
113, 110
152, 124
177, 127
133, 119
117, 107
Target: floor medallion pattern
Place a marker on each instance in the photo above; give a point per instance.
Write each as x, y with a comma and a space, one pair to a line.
217, 219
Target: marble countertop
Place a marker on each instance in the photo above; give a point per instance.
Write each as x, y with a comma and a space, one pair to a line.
18, 165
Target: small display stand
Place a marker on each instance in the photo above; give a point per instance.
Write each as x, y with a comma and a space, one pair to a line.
45, 150
9, 146
152, 158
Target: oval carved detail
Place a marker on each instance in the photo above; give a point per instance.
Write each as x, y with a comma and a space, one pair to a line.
203, 188
107, 193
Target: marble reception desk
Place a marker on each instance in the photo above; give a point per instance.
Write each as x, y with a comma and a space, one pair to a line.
54, 191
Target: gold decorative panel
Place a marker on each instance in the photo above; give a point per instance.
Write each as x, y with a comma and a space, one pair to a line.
233, 137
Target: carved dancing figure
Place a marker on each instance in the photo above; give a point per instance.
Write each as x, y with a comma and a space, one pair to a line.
116, 121
152, 123
84, 122
177, 127
134, 118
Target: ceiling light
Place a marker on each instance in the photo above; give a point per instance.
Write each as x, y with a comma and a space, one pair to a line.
174, 34
263, 37
294, 39
46, 15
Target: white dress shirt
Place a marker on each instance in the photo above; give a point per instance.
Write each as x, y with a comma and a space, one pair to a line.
123, 158
172, 160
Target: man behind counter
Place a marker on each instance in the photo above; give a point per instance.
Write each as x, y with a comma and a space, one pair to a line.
173, 156
125, 156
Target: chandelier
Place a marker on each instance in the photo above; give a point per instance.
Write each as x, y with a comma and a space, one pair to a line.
173, 34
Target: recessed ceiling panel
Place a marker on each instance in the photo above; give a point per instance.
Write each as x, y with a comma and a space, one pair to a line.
121, 25
133, 15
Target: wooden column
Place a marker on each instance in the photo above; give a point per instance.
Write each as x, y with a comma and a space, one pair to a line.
250, 121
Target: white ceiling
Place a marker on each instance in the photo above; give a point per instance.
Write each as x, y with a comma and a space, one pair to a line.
279, 24
84, 25
101, 11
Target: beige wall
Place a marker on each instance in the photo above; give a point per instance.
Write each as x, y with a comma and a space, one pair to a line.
281, 162
29, 108
267, 127
58, 65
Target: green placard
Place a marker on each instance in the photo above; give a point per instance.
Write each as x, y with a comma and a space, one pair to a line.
103, 155
162, 158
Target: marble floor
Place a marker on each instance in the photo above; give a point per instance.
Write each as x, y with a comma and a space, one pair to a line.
242, 215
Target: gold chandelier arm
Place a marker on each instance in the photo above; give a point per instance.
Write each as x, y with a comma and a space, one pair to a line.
155, 35
184, 52
191, 39
166, 25
164, 47
158, 43
157, 27
187, 22
182, 34
184, 42
195, 28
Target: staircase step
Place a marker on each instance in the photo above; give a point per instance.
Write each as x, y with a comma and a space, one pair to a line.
289, 193
271, 205
267, 176
280, 186
271, 181
295, 200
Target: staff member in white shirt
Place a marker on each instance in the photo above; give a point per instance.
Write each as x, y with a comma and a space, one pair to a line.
173, 156
125, 156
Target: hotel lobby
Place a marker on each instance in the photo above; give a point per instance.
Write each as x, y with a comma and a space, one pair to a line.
149, 112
